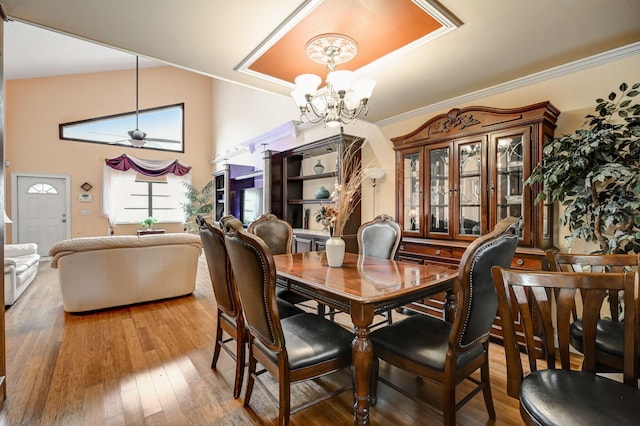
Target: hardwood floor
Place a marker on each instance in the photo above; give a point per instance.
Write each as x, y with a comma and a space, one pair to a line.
150, 365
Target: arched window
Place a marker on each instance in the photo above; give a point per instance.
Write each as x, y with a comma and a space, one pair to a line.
41, 188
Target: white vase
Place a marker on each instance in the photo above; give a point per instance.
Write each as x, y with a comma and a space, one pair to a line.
335, 251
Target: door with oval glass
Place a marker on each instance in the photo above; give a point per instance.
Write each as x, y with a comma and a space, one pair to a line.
39, 210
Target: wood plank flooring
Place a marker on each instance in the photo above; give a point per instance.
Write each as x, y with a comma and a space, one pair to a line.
150, 365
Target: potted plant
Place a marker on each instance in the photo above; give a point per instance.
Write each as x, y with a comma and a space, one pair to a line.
148, 222
595, 174
199, 202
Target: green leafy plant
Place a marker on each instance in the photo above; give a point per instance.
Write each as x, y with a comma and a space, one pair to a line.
199, 202
149, 221
595, 174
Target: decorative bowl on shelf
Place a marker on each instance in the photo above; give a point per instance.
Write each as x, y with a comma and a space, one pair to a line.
322, 193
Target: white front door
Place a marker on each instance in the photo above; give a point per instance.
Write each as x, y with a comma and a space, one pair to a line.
40, 210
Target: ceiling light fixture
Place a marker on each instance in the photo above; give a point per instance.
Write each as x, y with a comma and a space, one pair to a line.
342, 100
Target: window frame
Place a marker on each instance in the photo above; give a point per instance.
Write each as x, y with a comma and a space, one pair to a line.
144, 115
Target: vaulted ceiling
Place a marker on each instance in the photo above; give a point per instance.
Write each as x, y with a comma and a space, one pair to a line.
487, 43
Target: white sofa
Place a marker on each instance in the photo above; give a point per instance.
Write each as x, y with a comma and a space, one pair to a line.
20, 269
104, 272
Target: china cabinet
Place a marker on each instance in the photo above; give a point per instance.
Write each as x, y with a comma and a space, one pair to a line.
459, 173
295, 183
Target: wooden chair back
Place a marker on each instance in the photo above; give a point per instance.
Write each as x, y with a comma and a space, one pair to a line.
276, 233
379, 238
604, 263
255, 276
475, 292
224, 288
518, 291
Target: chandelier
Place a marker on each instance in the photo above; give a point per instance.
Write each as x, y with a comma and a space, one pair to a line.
342, 100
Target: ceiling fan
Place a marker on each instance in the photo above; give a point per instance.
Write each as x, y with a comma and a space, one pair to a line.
137, 137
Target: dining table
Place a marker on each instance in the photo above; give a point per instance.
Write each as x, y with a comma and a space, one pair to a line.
363, 287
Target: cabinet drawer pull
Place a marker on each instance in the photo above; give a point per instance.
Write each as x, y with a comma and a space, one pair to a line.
520, 262
438, 252
401, 247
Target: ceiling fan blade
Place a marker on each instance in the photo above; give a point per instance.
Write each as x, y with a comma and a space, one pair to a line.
161, 140
107, 134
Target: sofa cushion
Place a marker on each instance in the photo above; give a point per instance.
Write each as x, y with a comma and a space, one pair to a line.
23, 262
65, 247
17, 250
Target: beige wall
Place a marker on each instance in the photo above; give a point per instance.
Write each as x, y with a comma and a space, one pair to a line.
574, 94
35, 107
222, 115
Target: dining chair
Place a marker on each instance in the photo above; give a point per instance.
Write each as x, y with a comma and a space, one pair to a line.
292, 349
609, 339
230, 317
278, 236
446, 352
380, 238
552, 394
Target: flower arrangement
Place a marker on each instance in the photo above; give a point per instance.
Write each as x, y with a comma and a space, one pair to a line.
347, 192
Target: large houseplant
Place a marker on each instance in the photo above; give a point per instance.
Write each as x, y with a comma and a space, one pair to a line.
595, 174
199, 202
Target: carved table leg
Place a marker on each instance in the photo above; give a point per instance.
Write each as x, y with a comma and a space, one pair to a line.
362, 317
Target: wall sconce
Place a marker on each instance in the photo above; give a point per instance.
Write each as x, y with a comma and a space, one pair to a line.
86, 186
374, 173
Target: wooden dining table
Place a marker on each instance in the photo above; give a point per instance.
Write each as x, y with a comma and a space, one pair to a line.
362, 287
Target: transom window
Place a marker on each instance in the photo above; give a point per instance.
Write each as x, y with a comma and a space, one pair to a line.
164, 128
41, 188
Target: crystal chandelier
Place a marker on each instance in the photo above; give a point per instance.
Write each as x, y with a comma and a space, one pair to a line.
342, 100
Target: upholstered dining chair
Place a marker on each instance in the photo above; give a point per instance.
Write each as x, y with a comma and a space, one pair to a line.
230, 318
558, 395
292, 349
610, 336
380, 238
449, 353
278, 236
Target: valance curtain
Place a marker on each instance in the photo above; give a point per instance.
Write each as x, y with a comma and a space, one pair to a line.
120, 172
147, 167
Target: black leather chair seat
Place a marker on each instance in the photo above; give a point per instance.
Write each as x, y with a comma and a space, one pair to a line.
286, 309
609, 336
561, 397
421, 339
290, 296
311, 340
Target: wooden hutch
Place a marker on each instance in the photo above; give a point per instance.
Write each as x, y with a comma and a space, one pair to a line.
461, 172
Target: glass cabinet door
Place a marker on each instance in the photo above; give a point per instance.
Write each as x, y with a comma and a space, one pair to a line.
511, 172
439, 192
469, 189
411, 215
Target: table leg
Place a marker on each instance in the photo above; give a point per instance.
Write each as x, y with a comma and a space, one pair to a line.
362, 317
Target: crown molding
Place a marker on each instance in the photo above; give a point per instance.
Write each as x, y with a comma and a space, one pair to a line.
569, 68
